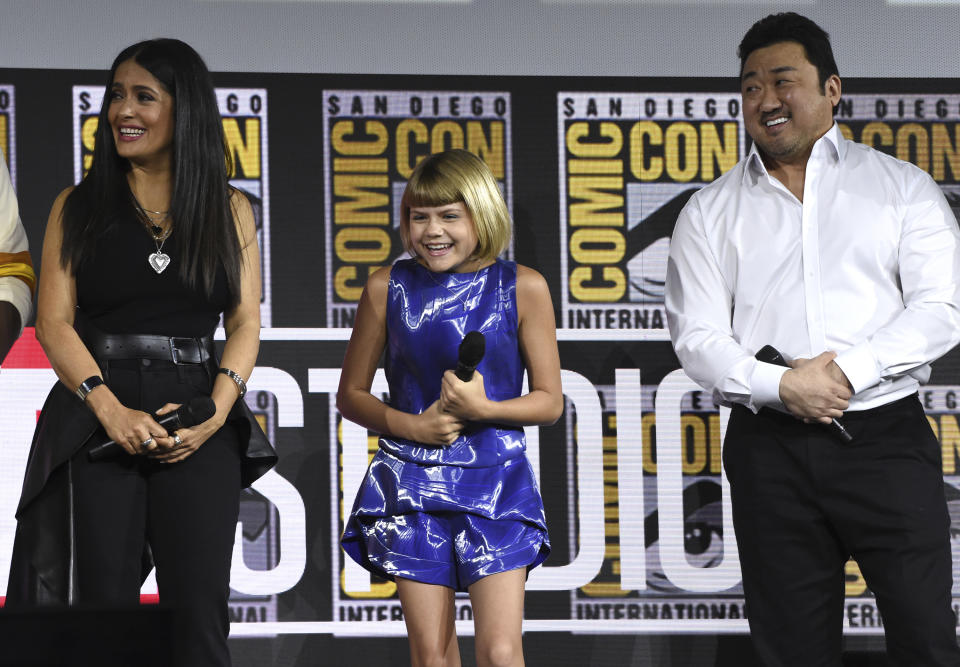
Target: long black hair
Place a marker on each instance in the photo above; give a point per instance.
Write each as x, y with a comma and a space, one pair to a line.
205, 234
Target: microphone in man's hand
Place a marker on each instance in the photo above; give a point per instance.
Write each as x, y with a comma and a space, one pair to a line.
470, 355
198, 410
770, 355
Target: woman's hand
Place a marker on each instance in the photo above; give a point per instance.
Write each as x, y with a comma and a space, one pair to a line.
134, 430
436, 427
185, 441
466, 400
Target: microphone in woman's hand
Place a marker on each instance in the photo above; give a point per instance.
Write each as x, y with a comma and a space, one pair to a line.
471, 351
198, 410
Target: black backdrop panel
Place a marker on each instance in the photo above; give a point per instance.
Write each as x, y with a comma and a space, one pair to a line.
595, 172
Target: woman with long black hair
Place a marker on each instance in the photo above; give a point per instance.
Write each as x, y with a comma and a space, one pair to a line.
139, 262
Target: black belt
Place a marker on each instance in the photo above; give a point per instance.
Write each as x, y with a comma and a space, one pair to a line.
850, 415
178, 350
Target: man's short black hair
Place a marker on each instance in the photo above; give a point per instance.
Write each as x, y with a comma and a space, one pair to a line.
791, 27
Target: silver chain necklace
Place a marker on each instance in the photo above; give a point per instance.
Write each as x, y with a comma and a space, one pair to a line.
158, 260
454, 294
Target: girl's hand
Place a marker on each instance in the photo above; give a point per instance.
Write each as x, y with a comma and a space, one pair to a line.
466, 400
185, 441
436, 427
134, 430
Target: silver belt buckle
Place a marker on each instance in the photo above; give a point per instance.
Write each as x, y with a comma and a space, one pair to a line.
174, 352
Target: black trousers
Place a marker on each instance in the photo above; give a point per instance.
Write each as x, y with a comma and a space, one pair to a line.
186, 511
804, 502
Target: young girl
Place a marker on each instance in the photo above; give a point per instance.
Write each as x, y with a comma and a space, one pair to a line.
450, 501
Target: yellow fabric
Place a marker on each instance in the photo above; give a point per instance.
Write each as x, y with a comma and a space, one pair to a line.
20, 270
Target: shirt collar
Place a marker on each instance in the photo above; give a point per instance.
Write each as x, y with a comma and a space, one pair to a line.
832, 142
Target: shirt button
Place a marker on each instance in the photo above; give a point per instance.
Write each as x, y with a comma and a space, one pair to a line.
145, 362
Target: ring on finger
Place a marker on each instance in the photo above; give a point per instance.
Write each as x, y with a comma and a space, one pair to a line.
147, 442
177, 440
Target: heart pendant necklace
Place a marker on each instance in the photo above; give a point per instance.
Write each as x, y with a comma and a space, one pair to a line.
158, 260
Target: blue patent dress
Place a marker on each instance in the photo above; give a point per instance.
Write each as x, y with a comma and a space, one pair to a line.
449, 515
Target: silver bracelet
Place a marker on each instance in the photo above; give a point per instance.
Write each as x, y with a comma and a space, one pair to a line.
241, 385
87, 386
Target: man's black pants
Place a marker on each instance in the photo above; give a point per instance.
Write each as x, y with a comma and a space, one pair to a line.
804, 502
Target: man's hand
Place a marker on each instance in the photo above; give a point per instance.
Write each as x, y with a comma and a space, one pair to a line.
815, 389
838, 375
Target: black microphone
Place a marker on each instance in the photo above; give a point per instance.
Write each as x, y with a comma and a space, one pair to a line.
770, 355
198, 410
472, 348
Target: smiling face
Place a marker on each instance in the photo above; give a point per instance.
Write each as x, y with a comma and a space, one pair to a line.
444, 237
140, 115
784, 107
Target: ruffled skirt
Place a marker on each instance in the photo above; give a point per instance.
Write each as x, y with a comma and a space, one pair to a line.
444, 524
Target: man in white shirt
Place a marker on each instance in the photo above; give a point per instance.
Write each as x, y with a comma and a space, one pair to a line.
17, 279
848, 262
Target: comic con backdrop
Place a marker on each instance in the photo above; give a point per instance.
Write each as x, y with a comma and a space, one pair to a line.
595, 172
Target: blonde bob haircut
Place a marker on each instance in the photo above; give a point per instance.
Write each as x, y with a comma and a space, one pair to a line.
459, 176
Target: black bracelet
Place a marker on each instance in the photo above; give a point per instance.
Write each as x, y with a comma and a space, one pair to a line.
241, 385
88, 385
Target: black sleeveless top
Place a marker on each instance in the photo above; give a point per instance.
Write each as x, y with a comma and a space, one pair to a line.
119, 292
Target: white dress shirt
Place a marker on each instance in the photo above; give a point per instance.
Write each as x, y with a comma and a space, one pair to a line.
16, 272
868, 266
